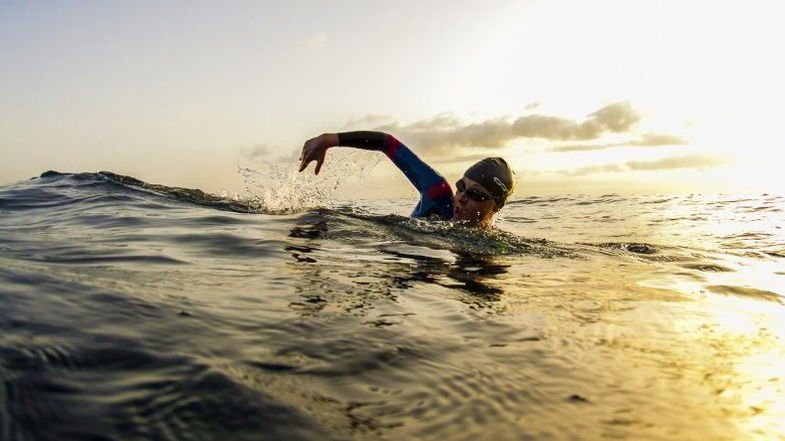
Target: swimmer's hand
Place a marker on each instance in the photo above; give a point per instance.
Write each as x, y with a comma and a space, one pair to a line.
316, 149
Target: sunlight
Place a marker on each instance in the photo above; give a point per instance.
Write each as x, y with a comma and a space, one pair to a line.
755, 334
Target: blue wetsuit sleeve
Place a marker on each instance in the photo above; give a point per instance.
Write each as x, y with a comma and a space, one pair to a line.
435, 192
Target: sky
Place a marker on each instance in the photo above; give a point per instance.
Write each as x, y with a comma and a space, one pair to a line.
579, 96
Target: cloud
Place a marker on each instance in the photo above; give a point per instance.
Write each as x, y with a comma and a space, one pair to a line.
317, 41
459, 158
690, 161
369, 121
617, 117
292, 156
595, 169
582, 147
255, 152
445, 131
673, 162
265, 153
646, 140
439, 133
659, 139
553, 127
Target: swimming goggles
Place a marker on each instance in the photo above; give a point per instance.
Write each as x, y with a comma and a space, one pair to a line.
471, 193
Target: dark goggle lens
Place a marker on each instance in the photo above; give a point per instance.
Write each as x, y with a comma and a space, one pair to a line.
471, 193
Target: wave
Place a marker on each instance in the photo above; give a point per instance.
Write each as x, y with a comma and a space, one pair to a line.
74, 198
181, 194
273, 189
82, 194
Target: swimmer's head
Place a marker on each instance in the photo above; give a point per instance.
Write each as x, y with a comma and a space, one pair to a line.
484, 189
496, 176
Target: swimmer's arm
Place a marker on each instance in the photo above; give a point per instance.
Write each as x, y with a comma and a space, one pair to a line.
418, 172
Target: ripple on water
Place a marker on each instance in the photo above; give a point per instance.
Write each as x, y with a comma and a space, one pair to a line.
118, 393
365, 326
747, 292
707, 267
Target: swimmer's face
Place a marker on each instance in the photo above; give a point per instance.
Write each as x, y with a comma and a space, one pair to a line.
473, 205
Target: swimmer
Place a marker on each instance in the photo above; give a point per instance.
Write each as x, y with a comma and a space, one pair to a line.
482, 192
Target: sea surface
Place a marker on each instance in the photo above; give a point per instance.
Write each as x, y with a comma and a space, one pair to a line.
134, 311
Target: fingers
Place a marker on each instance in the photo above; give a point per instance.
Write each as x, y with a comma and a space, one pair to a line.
307, 161
305, 157
304, 153
312, 151
319, 165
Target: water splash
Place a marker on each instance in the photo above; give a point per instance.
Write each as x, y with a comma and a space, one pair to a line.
278, 187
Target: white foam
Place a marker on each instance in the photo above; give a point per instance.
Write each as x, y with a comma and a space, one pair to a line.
278, 187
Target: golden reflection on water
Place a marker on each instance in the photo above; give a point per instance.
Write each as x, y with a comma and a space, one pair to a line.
684, 342
674, 358
734, 349
733, 275
754, 332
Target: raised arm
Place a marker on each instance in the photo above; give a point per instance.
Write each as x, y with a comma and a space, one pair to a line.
436, 195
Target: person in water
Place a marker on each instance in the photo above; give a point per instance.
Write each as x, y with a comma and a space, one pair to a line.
484, 189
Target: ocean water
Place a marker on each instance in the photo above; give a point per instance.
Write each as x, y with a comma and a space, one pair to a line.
131, 311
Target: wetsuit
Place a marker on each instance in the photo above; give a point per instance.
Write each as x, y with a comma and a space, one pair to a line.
435, 193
